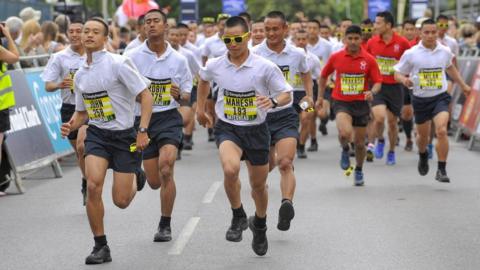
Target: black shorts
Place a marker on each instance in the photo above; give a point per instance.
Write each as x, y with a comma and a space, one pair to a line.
297, 97
407, 95
358, 110
114, 146
328, 94
425, 109
253, 140
66, 112
315, 90
164, 128
390, 95
283, 124
4, 120
193, 95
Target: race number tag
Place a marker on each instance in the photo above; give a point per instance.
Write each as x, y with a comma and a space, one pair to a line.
430, 79
160, 90
99, 107
71, 74
297, 81
352, 84
286, 72
386, 65
239, 106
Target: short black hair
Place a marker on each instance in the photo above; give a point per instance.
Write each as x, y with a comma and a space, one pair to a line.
353, 29
100, 20
276, 15
246, 15
367, 21
182, 25
315, 21
237, 21
156, 10
387, 17
76, 20
260, 20
141, 20
301, 31
409, 21
428, 21
324, 26
442, 17
346, 20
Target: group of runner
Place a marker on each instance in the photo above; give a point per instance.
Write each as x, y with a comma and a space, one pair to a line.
258, 87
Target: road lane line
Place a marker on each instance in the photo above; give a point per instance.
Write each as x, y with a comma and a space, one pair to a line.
184, 236
210, 195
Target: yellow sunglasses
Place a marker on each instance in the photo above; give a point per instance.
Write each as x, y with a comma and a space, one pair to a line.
367, 30
442, 25
236, 39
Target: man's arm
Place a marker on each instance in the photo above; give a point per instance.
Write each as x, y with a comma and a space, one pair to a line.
453, 73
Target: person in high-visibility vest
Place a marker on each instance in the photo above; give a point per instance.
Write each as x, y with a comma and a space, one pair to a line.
8, 55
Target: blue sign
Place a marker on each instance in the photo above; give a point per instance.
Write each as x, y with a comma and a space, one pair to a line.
189, 11
233, 7
49, 105
417, 8
376, 6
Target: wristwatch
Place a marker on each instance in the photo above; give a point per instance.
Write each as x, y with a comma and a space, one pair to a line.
274, 102
142, 130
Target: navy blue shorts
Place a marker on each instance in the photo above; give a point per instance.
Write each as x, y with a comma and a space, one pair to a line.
390, 95
114, 146
358, 110
426, 109
66, 112
283, 124
164, 128
253, 140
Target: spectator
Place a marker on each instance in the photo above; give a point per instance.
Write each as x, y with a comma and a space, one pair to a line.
31, 43
468, 37
14, 25
62, 22
29, 13
50, 32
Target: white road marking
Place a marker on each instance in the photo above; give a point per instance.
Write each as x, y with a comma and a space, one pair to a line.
210, 195
184, 236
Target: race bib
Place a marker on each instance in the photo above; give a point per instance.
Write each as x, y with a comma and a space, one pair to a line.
99, 107
71, 74
286, 72
297, 81
430, 79
160, 90
352, 84
239, 106
386, 65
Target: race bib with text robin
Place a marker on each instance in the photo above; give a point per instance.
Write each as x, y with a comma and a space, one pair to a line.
286, 72
99, 107
386, 65
352, 84
430, 78
160, 89
239, 106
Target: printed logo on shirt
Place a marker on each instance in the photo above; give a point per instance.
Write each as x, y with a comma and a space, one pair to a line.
99, 107
160, 89
352, 84
430, 78
363, 65
386, 65
396, 48
239, 106
71, 73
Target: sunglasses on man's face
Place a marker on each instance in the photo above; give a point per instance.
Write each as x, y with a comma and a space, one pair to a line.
237, 39
442, 25
367, 30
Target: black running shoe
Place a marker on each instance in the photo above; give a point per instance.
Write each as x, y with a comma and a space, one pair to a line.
409, 146
259, 241
301, 153
99, 255
234, 232
211, 136
187, 145
423, 166
313, 147
323, 129
442, 177
369, 155
141, 178
285, 215
84, 191
163, 234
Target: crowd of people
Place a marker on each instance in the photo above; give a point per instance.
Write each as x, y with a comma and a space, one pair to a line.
262, 87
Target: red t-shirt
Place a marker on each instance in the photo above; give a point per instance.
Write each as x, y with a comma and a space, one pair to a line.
364, 45
387, 55
354, 73
414, 41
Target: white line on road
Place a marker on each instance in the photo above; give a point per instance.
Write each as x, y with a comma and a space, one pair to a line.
210, 195
184, 236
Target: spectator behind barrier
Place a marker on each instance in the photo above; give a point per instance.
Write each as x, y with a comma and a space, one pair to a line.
62, 22
50, 33
29, 13
31, 44
14, 25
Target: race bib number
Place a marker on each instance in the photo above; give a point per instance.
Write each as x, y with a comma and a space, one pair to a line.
352, 84
99, 107
160, 90
386, 65
71, 74
239, 106
430, 79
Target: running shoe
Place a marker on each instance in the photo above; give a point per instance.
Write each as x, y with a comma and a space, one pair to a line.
141, 179
379, 149
442, 177
259, 241
99, 255
359, 178
285, 215
409, 146
391, 158
370, 149
423, 166
313, 147
345, 160
163, 234
234, 232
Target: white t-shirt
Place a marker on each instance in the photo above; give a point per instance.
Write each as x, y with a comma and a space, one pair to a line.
214, 47
426, 69
133, 44
451, 43
322, 49
292, 61
314, 64
170, 68
107, 90
239, 86
60, 65
193, 64
197, 51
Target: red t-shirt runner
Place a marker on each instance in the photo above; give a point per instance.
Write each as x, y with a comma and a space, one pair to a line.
354, 74
387, 55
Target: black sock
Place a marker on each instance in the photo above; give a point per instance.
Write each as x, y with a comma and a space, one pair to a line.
424, 155
324, 121
313, 141
260, 222
358, 168
100, 241
164, 221
381, 140
187, 138
286, 200
301, 147
239, 212
84, 183
346, 147
442, 166
210, 131
407, 127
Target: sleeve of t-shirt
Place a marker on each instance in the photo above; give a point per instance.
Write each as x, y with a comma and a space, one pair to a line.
374, 73
404, 66
205, 72
450, 58
79, 103
53, 70
186, 80
131, 78
303, 66
276, 83
206, 50
328, 68
194, 65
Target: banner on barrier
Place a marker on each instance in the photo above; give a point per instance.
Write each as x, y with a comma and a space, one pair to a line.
27, 141
471, 109
49, 105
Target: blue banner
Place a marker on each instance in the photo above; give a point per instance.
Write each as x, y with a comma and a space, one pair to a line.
233, 7
188, 11
49, 105
376, 6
